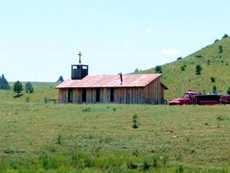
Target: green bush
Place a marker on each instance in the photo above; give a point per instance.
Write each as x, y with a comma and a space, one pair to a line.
216, 40
59, 140
86, 109
214, 89
228, 91
221, 49
179, 58
29, 88
225, 36
182, 68
158, 69
198, 69
213, 80
135, 121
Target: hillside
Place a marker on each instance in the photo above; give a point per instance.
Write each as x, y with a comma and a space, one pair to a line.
215, 62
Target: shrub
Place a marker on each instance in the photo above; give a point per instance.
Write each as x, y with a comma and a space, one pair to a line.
220, 49
180, 169
208, 62
158, 69
225, 36
86, 109
29, 87
18, 88
182, 68
216, 40
220, 118
59, 140
213, 80
179, 58
228, 91
214, 89
198, 69
199, 56
135, 121
45, 100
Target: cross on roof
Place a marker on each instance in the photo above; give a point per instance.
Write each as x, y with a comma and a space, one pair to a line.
80, 55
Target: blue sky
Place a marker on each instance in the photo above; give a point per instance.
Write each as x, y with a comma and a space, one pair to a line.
39, 39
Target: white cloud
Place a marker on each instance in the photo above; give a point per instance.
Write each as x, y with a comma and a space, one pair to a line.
169, 51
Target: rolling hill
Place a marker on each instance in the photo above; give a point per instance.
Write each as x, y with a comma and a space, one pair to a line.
181, 75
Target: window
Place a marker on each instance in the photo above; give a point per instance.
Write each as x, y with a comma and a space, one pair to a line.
98, 92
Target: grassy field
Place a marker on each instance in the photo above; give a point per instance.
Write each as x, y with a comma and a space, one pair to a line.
39, 137
214, 62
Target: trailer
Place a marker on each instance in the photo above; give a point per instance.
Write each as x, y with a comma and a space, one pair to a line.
196, 98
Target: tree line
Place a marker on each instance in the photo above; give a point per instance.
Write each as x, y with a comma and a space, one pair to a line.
18, 86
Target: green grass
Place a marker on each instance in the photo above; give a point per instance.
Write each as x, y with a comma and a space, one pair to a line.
100, 138
179, 81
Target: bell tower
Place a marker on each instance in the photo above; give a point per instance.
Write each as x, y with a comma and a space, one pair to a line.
79, 71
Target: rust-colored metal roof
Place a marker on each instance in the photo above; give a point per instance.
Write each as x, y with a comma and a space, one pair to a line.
110, 81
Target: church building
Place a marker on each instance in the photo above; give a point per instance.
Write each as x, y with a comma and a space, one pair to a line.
123, 89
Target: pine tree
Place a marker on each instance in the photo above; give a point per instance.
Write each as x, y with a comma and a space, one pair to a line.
60, 79
18, 88
29, 87
4, 83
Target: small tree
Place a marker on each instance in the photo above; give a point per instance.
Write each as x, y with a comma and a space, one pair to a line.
214, 89
225, 36
4, 83
60, 79
179, 58
213, 80
29, 87
182, 68
135, 121
18, 88
158, 69
216, 40
198, 69
136, 70
221, 49
228, 91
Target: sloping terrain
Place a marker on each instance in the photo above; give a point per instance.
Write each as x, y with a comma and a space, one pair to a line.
181, 75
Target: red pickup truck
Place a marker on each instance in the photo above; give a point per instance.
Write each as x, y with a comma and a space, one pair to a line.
191, 98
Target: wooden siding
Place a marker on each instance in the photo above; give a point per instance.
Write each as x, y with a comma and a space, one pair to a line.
151, 94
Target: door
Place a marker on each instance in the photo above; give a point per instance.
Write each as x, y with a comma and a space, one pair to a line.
112, 95
70, 95
84, 95
98, 95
